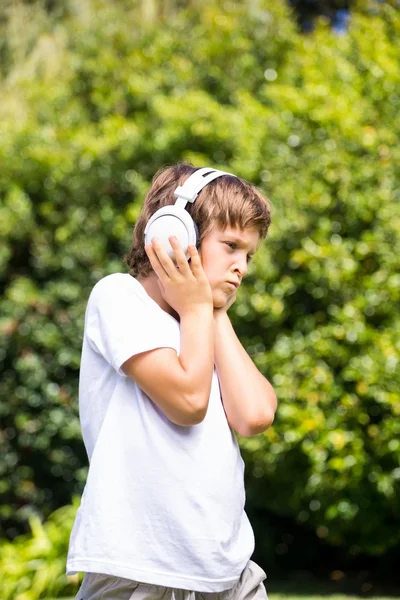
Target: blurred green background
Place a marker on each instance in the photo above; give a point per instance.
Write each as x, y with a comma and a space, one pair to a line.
95, 96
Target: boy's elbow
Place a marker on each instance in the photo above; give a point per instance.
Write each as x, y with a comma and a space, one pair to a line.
257, 424
199, 406
195, 410
261, 420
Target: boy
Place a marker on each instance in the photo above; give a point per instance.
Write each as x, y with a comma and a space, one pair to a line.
164, 383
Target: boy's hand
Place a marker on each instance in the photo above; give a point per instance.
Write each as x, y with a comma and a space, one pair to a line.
185, 287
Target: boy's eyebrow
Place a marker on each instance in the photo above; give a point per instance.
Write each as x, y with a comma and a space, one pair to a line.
240, 242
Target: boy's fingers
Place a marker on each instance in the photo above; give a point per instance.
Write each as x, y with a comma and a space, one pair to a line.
163, 258
155, 262
181, 260
195, 262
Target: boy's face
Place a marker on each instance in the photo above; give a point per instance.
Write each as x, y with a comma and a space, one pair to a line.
225, 254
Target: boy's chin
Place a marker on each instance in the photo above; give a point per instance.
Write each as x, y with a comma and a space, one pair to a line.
220, 299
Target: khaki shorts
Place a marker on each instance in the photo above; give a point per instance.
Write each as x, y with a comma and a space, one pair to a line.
106, 587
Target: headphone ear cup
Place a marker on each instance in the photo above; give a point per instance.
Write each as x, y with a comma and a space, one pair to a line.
164, 227
172, 220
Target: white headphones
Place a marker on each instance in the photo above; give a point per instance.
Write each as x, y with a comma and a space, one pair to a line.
174, 219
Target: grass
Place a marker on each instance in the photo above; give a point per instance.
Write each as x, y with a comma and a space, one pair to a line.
304, 596
328, 597
317, 590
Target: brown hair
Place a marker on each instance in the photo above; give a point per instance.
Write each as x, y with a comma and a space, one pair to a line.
227, 201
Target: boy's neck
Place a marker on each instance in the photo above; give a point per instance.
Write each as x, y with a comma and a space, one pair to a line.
150, 285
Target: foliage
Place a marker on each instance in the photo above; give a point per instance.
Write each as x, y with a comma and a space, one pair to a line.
85, 121
327, 293
33, 565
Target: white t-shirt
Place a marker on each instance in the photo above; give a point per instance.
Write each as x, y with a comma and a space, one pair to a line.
163, 503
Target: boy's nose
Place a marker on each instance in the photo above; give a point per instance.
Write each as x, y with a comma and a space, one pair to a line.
241, 268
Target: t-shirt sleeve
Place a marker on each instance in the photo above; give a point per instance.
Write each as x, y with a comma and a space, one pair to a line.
121, 322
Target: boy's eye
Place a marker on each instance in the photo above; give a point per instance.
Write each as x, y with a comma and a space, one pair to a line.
231, 245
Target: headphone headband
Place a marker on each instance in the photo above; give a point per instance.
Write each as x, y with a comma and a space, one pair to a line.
189, 191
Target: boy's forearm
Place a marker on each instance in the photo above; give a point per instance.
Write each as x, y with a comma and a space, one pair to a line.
248, 398
197, 352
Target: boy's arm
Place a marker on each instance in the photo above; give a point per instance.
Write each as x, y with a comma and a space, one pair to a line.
249, 399
180, 386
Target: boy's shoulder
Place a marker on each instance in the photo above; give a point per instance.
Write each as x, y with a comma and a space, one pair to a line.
114, 289
110, 281
113, 284
120, 292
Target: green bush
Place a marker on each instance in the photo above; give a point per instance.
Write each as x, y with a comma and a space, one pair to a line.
327, 290
98, 106
33, 565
